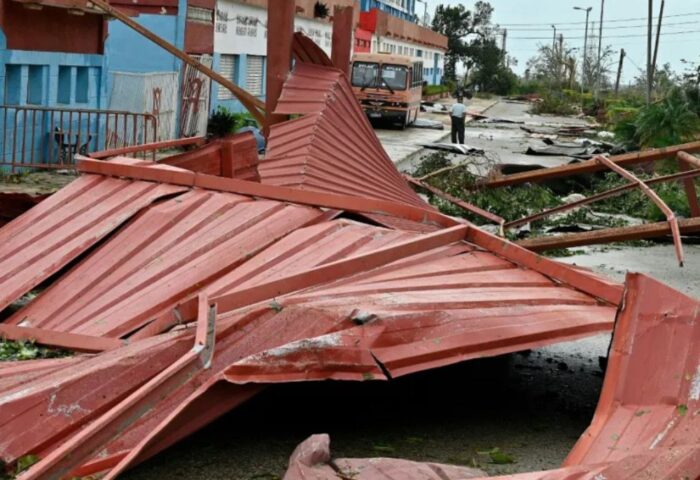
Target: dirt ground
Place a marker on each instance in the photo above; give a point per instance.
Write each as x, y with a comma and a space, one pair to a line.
36, 183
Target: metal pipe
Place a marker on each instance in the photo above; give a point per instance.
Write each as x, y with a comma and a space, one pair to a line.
670, 216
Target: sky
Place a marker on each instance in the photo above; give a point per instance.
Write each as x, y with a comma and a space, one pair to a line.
624, 26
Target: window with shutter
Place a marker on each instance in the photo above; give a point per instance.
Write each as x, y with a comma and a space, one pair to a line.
227, 68
254, 74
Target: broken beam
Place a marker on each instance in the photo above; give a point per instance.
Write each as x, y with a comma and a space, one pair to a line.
456, 201
685, 175
637, 232
70, 341
590, 166
686, 162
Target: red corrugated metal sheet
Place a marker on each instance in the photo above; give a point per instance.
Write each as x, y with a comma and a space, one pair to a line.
166, 254
412, 305
251, 288
331, 147
46, 238
305, 50
647, 424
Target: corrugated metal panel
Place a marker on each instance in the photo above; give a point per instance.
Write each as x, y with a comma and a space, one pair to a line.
647, 424
306, 50
46, 238
168, 252
448, 293
332, 147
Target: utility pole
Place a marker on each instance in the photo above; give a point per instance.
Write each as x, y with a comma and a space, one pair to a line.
503, 47
649, 72
555, 63
619, 70
585, 47
600, 45
561, 56
656, 47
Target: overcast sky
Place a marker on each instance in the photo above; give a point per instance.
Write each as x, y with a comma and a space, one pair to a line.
529, 24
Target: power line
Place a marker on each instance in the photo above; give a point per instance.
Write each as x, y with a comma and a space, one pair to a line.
607, 28
685, 32
618, 20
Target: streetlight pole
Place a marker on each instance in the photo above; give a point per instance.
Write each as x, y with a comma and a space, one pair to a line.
425, 12
600, 45
585, 47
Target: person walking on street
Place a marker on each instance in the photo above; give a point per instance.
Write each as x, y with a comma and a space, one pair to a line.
458, 113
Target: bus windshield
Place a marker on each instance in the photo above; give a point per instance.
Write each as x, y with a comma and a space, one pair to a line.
364, 74
394, 77
369, 75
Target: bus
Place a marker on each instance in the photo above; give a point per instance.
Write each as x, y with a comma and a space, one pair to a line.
388, 86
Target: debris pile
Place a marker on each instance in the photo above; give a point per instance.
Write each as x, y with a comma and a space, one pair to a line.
185, 287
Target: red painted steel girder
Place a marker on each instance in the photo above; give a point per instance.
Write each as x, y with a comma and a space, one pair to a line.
646, 190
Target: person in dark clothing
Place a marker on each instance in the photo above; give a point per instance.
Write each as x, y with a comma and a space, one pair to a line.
458, 113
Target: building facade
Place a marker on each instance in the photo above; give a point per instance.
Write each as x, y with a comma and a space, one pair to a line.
65, 70
390, 34
240, 39
403, 9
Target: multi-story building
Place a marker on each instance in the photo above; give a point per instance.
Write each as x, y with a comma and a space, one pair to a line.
240, 38
65, 70
403, 9
240, 41
381, 32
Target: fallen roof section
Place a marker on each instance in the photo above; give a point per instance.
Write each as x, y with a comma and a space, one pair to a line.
231, 285
59, 229
646, 425
331, 147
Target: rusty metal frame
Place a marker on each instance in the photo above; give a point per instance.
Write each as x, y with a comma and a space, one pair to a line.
52, 338
272, 192
649, 230
670, 216
492, 217
689, 174
590, 166
685, 163
148, 147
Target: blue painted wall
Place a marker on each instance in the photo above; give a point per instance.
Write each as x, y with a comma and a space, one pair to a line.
128, 51
76, 81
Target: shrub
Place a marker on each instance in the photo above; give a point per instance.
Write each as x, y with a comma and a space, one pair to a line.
224, 122
553, 102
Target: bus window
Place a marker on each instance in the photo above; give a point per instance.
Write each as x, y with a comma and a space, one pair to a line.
364, 74
394, 77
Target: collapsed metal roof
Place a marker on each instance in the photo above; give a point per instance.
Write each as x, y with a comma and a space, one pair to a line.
204, 289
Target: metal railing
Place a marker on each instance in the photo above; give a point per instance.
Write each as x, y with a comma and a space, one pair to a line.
35, 137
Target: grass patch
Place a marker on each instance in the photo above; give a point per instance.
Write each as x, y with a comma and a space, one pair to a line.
11, 350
